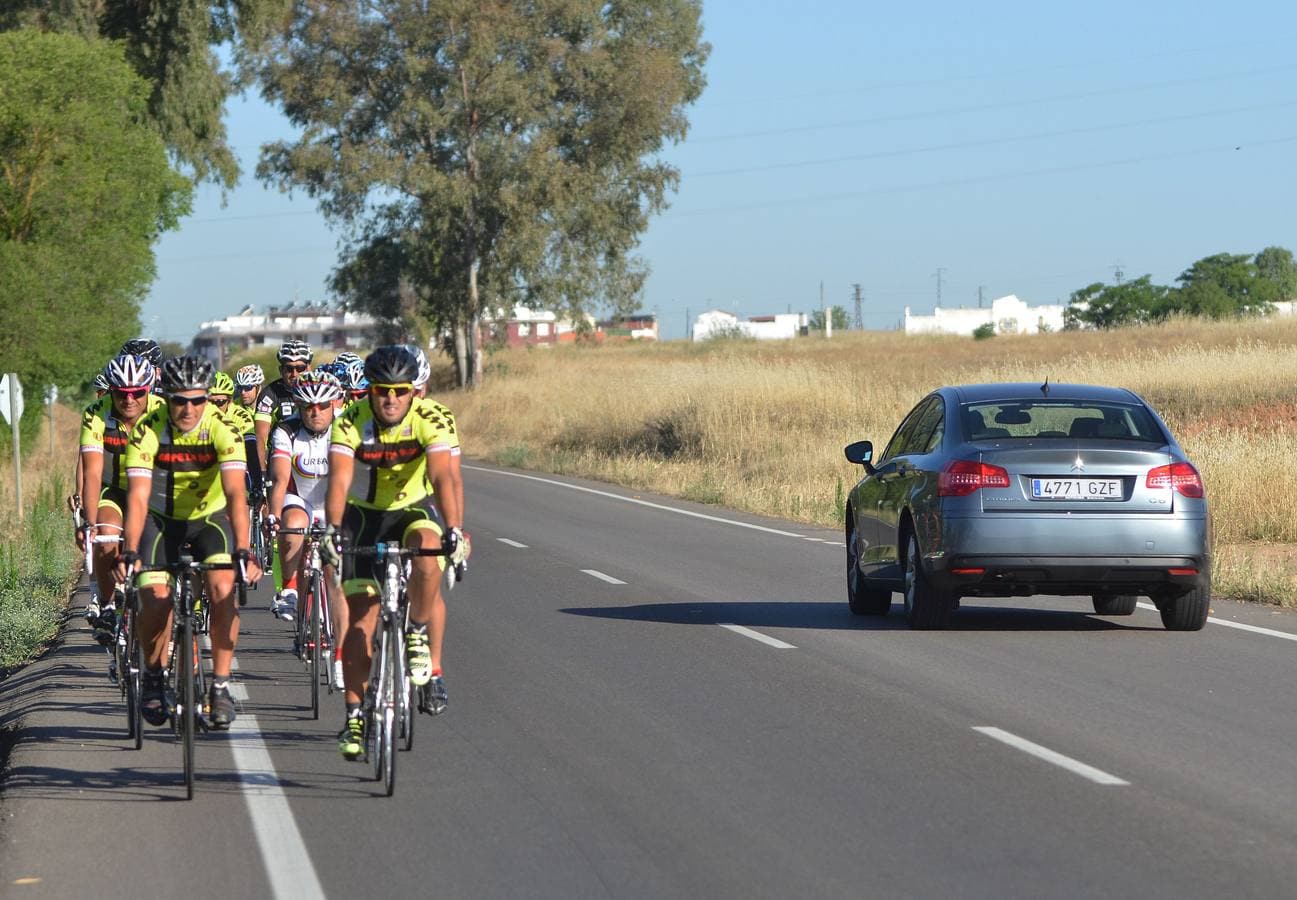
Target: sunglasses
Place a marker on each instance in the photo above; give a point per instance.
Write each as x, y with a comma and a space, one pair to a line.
130, 393
296, 370
222, 403
327, 404
392, 390
187, 401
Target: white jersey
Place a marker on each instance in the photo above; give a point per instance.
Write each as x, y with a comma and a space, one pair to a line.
308, 460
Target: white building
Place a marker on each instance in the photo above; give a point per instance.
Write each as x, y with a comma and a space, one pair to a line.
319, 326
1008, 314
719, 323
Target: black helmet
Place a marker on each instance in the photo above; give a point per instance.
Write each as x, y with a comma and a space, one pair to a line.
187, 373
145, 347
392, 364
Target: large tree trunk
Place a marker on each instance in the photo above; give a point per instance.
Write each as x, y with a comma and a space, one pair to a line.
461, 355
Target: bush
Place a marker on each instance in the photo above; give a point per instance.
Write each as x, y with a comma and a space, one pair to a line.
984, 331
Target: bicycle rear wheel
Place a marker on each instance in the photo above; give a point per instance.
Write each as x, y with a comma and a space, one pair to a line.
374, 696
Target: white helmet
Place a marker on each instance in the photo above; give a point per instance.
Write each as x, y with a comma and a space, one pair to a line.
317, 387
249, 376
421, 358
293, 350
128, 371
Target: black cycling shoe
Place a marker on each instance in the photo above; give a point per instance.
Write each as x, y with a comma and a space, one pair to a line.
105, 626
153, 697
222, 705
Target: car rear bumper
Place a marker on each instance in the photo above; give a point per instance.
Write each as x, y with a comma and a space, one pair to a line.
1023, 555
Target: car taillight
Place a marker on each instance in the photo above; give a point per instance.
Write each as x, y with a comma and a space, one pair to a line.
962, 477
1181, 476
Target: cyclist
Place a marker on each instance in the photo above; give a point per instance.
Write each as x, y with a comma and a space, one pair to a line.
222, 396
105, 430
246, 382
185, 466
299, 464
150, 350
276, 400
383, 457
354, 381
100, 385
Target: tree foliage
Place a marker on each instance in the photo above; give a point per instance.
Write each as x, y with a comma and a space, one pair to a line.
1220, 286
172, 46
85, 189
483, 154
840, 320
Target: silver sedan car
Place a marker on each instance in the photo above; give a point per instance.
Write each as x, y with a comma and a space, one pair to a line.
1011, 490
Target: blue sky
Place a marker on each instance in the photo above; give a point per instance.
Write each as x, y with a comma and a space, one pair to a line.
1023, 148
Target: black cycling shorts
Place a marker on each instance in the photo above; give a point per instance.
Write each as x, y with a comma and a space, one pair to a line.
211, 540
113, 496
366, 527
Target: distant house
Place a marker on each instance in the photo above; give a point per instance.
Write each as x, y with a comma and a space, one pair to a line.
719, 323
639, 327
524, 327
320, 326
1007, 314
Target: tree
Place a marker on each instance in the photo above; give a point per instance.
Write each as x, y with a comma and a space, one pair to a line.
1275, 265
478, 155
1132, 302
839, 320
85, 189
172, 46
1223, 285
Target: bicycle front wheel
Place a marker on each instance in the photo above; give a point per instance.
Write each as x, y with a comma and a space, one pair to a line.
314, 600
392, 691
186, 648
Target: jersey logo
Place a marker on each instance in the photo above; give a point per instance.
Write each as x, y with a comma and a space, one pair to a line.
389, 455
194, 459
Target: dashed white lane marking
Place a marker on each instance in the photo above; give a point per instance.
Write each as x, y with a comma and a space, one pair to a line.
758, 636
283, 852
512, 543
595, 573
1255, 629
637, 501
1098, 776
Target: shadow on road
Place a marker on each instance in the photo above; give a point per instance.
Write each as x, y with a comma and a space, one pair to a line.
835, 616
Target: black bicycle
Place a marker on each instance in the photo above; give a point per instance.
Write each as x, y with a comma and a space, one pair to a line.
314, 638
390, 700
186, 682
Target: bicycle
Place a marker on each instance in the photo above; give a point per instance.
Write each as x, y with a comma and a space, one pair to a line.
384, 706
185, 682
314, 627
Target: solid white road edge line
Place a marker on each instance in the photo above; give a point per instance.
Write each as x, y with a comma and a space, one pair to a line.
1255, 629
512, 543
612, 496
1098, 776
595, 573
758, 636
283, 852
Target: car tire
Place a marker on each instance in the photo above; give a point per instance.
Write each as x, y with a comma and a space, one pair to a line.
925, 605
1187, 612
1115, 604
862, 600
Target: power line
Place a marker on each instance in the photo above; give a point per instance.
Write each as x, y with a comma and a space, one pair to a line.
984, 107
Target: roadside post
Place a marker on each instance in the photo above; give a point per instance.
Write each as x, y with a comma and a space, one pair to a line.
11, 406
51, 396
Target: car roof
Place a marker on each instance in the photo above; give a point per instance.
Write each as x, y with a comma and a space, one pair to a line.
1030, 390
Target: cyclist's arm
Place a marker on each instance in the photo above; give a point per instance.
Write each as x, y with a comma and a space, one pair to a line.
279, 465
236, 504
92, 470
261, 427
443, 483
138, 483
457, 474
342, 465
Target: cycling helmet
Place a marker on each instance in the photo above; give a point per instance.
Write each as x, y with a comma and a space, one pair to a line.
294, 351
101, 382
421, 359
346, 357
317, 387
145, 347
128, 371
222, 384
333, 369
249, 377
393, 364
353, 376
186, 373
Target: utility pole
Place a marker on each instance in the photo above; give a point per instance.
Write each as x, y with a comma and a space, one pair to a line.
980, 288
858, 296
940, 271
1117, 273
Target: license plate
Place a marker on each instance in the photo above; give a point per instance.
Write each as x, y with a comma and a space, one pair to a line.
1076, 488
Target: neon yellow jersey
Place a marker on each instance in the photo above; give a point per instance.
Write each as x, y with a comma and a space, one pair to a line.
186, 468
102, 432
448, 417
391, 463
240, 417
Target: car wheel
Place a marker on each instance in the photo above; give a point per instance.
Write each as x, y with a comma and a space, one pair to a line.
925, 606
1115, 604
863, 601
1187, 612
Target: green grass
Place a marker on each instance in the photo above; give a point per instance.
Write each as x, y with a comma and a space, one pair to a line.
37, 567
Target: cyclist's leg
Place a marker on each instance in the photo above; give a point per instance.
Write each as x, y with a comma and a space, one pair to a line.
296, 515
109, 521
160, 544
360, 580
423, 530
213, 542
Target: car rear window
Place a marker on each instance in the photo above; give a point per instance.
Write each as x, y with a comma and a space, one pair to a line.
1023, 419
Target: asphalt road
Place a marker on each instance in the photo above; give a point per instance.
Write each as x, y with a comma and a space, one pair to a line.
647, 702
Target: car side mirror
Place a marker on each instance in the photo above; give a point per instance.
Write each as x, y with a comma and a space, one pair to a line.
862, 454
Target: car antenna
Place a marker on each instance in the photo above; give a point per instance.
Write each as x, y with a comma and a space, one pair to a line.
1044, 388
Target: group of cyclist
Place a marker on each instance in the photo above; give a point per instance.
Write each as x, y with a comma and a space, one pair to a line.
178, 458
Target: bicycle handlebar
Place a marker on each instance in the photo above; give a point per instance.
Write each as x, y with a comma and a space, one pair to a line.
403, 553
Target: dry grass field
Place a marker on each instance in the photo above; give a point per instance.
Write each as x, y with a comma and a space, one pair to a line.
761, 426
